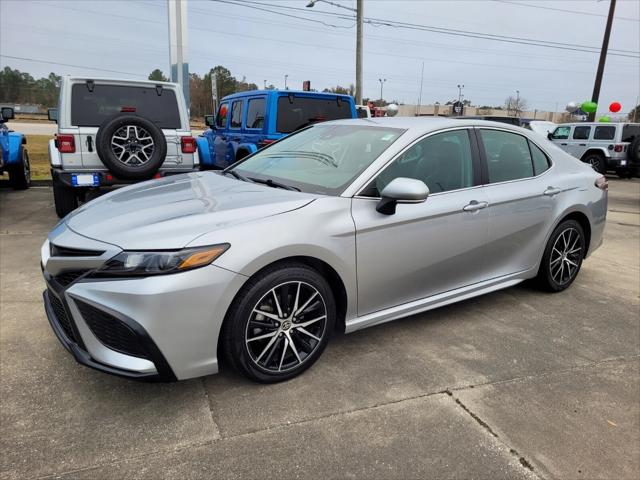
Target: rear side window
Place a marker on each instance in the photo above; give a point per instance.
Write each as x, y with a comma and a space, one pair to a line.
540, 160
561, 133
581, 133
604, 133
508, 156
221, 117
629, 132
236, 114
255, 113
300, 112
91, 109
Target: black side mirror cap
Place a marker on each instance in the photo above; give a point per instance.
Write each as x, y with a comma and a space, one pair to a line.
550, 135
210, 121
52, 114
7, 113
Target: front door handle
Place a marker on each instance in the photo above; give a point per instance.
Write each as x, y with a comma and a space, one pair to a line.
583, 144
474, 206
551, 191
564, 144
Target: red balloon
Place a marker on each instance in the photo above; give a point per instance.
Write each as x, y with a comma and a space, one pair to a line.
615, 107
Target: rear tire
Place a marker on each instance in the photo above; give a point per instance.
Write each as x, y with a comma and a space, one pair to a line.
20, 174
597, 161
65, 199
562, 257
263, 322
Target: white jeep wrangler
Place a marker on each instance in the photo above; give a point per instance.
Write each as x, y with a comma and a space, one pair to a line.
116, 132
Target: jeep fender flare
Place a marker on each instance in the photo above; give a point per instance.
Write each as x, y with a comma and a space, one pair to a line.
603, 150
249, 148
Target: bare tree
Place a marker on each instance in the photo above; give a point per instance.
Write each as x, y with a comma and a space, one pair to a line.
515, 106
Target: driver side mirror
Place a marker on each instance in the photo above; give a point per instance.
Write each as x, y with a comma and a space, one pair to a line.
210, 121
52, 114
550, 135
6, 113
401, 190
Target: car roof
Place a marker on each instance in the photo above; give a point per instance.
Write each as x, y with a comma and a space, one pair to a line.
249, 93
591, 124
425, 124
74, 79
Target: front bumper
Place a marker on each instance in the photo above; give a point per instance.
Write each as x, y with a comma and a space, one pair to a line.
157, 328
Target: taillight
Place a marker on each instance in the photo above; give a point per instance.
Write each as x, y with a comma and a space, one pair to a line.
618, 148
265, 142
66, 144
602, 183
188, 144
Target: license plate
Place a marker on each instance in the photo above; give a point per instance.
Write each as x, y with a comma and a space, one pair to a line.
623, 162
85, 179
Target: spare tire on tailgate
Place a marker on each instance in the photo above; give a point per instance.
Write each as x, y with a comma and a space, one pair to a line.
131, 146
633, 150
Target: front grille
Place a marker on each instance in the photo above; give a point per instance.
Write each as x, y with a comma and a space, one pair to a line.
111, 332
58, 251
61, 315
67, 278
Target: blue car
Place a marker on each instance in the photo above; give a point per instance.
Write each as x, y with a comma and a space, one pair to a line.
248, 121
14, 159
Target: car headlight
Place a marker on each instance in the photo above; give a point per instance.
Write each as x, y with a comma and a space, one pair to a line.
158, 263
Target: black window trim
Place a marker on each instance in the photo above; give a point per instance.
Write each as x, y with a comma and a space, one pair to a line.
609, 140
476, 163
573, 132
244, 117
242, 112
485, 167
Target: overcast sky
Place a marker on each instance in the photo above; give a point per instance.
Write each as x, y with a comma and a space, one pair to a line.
131, 37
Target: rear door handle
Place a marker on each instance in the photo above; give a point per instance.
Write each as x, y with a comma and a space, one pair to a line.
583, 144
551, 191
564, 144
474, 206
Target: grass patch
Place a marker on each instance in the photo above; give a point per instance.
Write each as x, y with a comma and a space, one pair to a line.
38, 148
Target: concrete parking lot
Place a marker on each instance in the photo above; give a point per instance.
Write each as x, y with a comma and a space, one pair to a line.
515, 384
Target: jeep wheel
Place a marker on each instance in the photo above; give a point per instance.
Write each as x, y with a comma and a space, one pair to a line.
597, 161
65, 199
20, 174
132, 147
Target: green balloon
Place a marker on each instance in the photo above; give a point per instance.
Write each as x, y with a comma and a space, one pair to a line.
589, 107
604, 119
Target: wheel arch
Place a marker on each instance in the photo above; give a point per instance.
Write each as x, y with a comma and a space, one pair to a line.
584, 222
244, 150
596, 151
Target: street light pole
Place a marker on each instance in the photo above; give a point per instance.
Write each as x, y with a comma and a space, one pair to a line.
265, 84
359, 10
285, 82
603, 57
381, 80
517, 103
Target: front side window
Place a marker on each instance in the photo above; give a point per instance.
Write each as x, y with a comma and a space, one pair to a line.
508, 156
236, 114
221, 117
604, 133
323, 159
540, 160
255, 113
581, 133
561, 133
442, 161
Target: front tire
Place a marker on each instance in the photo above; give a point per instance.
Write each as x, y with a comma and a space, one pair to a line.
20, 174
562, 257
65, 199
279, 323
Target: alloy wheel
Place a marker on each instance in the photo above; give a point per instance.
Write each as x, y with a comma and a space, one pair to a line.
132, 145
286, 327
566, 256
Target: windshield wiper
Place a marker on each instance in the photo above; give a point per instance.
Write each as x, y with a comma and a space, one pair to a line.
236, 175
274, 184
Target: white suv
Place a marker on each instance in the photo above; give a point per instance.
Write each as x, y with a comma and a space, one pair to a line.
606, 146
116, 132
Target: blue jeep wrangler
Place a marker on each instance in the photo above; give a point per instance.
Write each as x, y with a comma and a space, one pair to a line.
14, 158
248, 121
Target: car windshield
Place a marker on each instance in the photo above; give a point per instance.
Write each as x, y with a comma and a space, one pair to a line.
321, 159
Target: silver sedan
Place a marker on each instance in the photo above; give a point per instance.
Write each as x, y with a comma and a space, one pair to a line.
340, 226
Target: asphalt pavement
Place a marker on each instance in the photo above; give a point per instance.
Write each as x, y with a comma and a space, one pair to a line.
514, 384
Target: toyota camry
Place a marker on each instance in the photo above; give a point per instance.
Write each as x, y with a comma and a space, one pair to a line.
339, 226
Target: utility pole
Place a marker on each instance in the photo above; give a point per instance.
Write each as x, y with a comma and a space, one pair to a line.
265, 84
214, 89
177, 17
359, 10
285, 82
517, 103
603, 57
381, 80
420, 96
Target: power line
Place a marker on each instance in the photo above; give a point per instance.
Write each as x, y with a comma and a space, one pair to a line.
26, 59
577, 12
442, 30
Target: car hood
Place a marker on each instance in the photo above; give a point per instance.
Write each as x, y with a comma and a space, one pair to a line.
171, 212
